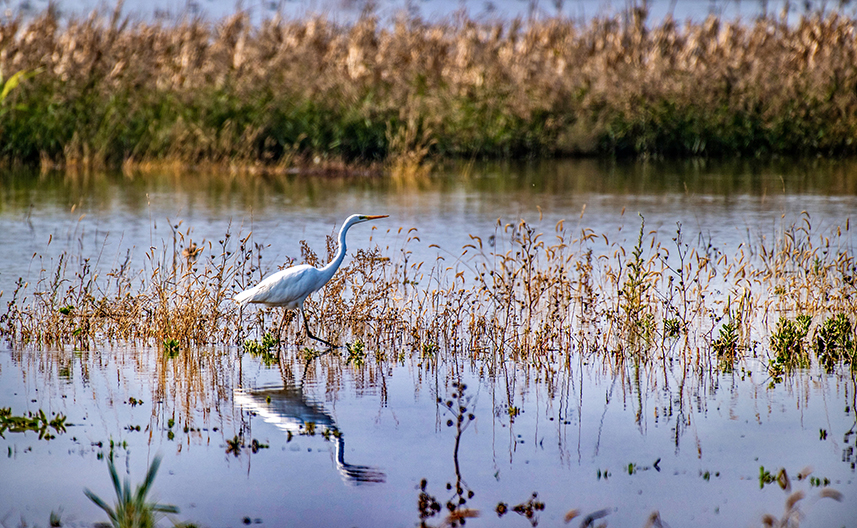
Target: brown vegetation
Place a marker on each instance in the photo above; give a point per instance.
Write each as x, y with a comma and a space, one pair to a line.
108, 91
531, 297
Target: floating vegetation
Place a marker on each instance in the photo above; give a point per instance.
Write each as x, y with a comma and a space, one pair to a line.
530, 508
237, 443
292, 92
37, 422
781, 478
355, 354
266, 349
427, 505
132, 509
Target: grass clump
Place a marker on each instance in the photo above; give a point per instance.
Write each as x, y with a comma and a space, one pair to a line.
316, 93
178, 301
266, 349
132, 508
634, 295
835, 341
789, 345
726, 344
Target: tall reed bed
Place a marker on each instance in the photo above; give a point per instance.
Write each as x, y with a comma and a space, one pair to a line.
526, 295
109, 90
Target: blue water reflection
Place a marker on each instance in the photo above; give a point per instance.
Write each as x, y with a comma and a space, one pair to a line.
583, 436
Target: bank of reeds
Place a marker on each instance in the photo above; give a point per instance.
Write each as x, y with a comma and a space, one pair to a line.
107, 90
524, 295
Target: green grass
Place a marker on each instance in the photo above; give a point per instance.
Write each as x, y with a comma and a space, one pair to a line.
310, 92
132, 508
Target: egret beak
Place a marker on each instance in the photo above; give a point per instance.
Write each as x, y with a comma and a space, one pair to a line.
374, 217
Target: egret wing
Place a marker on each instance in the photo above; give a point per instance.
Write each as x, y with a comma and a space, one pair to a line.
287, 288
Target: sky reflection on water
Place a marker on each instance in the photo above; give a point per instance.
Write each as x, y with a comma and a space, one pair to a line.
694, 445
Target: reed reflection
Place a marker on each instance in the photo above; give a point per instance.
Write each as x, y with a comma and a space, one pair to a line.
290, 410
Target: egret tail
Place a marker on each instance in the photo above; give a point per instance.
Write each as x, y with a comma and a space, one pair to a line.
244, 297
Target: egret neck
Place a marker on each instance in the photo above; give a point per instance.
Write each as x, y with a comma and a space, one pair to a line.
331, 267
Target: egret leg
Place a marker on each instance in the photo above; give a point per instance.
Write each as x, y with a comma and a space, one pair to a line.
282, 322
309, 334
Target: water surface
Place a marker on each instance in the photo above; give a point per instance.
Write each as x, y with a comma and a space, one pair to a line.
589, 439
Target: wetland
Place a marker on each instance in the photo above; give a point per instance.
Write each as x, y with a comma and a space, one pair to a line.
577, 342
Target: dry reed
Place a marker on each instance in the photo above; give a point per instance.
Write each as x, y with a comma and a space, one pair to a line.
109, 90
524, 296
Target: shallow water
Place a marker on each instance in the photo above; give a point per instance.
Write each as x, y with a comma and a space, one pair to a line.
583, 435
695, 449
111, 218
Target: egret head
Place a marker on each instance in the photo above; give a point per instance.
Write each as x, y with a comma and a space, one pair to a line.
358, 218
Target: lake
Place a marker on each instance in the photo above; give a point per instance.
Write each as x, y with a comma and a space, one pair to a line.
328, 442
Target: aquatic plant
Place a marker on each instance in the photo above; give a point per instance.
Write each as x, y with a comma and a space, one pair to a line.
237, 443
266, 349
37, 422
788, 343
530, 508
427, 504
781, 478
171, 348
180, 305
526, 294
634, 296
834, 341
428, 507
322, 95
55, 519
355, 354
726, 344
132, 509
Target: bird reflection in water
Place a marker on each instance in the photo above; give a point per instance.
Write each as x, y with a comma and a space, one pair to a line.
288, 409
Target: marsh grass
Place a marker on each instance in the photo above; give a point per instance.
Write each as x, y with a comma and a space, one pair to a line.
525, 295
178, 304
315, 93
265, 349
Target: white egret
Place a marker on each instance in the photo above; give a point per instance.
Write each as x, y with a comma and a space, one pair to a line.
290, 287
